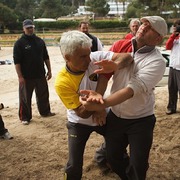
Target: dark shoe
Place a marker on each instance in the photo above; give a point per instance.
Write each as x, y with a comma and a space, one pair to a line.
49, 114
1, 106
169, 112
105, 167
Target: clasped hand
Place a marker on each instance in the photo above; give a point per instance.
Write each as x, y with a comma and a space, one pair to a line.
91, 100
106, 66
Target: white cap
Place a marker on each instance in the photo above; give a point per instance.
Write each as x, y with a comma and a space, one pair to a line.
157, 23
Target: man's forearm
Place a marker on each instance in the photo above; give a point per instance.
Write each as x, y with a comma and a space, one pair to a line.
102, 84
118, 97
18, 70
82, 112
48, 65
101, 88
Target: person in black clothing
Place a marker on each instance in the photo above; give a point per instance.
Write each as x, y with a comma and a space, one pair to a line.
30, 55
4, 134
96, 43
100, 155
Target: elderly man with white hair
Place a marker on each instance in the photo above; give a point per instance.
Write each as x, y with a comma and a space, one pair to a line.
77, 75
134, 26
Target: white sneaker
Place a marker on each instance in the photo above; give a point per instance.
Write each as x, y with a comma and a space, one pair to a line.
7, 135
25, 122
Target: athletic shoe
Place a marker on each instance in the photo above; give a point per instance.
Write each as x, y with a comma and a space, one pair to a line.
25, 122
1, 106
7, 136
169, 111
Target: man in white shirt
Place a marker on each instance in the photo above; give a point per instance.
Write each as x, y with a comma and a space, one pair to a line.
131, 119
173, 44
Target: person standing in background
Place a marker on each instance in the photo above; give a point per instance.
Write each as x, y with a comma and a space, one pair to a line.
30, 55
4, 134
96, 43
96, 46
134, 26
173, 44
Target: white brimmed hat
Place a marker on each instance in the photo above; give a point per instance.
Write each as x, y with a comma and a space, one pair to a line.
157, 23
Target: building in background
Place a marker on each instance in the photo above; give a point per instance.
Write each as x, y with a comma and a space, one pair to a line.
82, 11
116, 9
44, 20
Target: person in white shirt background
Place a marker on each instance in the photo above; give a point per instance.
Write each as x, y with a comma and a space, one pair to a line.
173, 44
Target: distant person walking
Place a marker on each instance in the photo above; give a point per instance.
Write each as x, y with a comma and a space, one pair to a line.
30, 55
96, 43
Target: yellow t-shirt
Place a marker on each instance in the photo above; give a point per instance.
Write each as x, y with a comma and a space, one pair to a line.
67, 88
68, 85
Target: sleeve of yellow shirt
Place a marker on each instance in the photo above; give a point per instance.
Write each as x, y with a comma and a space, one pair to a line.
67, 88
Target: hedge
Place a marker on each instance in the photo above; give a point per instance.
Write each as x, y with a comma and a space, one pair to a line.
108, 24
68, 24
73, 24
57, 25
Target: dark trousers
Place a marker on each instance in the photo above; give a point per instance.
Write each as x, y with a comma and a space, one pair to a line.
25, 95
173, 88
3, 130
78, 135
138, 134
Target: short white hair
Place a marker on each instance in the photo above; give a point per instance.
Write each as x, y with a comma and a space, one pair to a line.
133, 21
72, 40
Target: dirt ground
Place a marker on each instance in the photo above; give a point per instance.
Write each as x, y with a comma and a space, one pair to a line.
39, 150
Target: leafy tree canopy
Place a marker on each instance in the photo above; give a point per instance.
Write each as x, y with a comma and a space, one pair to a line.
9, 3
18, 10
6, 14
99, 7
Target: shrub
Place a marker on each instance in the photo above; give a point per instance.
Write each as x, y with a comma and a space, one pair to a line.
101, 25
108, 24
56, 25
